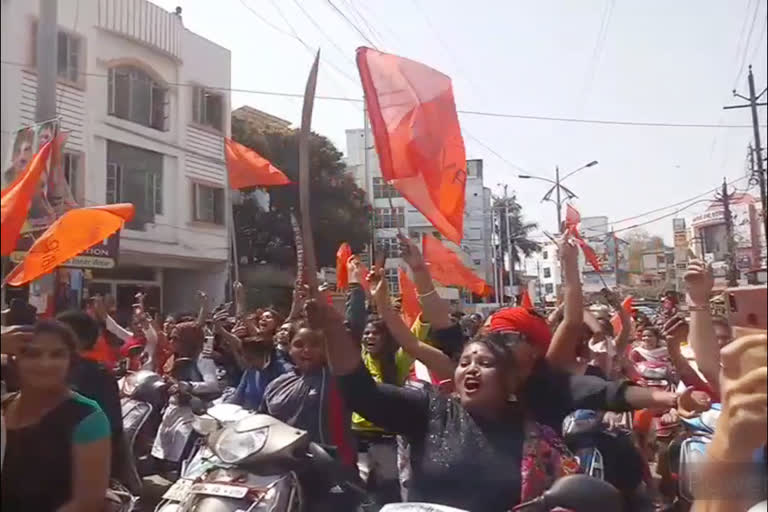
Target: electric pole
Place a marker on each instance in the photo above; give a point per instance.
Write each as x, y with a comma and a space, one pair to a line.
47, 52
758, 148
725, 199
615, 257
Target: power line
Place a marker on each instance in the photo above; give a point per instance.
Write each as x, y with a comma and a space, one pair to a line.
320, 29
341, 13
371, 28
614, 122
746, 43
597, 53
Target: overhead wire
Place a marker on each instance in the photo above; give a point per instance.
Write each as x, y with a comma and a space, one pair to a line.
745, 52
350, 22
371, 28
597, 52
614, 122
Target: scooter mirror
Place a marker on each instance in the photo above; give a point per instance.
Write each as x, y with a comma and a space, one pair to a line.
581, 493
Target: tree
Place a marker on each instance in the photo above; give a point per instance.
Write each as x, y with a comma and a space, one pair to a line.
519, 229
639, 242
339, 213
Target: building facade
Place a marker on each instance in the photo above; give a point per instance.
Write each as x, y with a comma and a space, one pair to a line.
146, 103
392, 213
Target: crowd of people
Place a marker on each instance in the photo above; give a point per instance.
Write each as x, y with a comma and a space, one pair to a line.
458, 410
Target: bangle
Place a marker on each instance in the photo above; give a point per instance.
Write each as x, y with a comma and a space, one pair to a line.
431, 292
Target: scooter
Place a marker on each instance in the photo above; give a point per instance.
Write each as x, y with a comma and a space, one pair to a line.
576, 493
255, 462
585, 434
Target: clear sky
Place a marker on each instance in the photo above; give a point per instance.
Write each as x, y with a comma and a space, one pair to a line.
647, 61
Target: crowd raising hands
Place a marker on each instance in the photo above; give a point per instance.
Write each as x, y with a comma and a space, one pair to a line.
465, 412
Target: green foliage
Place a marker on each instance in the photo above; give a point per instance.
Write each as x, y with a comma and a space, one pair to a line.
339, 210
520, 230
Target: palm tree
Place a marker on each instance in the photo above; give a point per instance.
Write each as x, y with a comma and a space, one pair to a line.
519, 230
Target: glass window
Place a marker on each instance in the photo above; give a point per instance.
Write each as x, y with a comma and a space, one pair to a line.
208, 204
549, 288
208, 108
389, 217
383, 190
389, 246
68, 61
135, 96
547, 272
134, 175
393, 281
71, 167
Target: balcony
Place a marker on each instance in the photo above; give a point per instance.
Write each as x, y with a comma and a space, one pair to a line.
143, 22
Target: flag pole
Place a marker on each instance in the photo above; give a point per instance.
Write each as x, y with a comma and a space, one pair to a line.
230, 221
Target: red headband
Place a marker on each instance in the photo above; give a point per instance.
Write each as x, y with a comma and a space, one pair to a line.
529, 324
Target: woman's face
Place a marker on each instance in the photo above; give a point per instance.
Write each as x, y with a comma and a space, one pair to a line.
479, 380
267, 322
375, 340
307, 350
649, 339
283, 334
168, 325
44, 362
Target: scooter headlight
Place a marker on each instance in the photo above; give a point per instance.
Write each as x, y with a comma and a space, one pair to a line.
233, 446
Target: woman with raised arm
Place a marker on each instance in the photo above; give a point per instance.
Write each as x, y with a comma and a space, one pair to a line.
475, 450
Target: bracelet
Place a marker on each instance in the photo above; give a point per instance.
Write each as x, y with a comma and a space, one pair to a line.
431, 292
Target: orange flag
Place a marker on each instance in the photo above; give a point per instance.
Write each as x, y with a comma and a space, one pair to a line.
17, 198
247, 168
446, 267
626, 305
572, 216
409, 298
418, 139
525, 300
71, 234
342, 275
572, 220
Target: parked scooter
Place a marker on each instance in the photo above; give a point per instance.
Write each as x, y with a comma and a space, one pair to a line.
255, 462
608, 454
577, 493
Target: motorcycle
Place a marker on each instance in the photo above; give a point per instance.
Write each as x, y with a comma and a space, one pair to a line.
576, 493
588, 438
251, 461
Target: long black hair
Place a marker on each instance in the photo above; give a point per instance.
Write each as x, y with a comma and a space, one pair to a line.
387, 359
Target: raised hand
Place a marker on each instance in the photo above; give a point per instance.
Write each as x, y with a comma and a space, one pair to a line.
354, 269
410, 253
202, 297
699, 281
379, 287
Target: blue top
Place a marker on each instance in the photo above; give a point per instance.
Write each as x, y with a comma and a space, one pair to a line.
253, 383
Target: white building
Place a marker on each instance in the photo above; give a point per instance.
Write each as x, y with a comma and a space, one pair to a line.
146, 103
475, 250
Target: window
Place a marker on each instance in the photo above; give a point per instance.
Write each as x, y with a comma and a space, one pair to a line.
383, 190
208, 108
208, 204
69, 56
393, 281
71, 167
477, 262
135, 96
386, 218
135, 175
547, 272
549, 288
546, 255
390, 247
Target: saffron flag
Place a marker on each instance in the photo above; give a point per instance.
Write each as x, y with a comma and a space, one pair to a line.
525, 300
572, 216
572, 220
626, 305
342, 274
409, 298
71, 234
247, 168
16, 199
417, 136
446, 267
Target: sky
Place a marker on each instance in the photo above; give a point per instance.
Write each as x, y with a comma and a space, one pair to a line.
651, 61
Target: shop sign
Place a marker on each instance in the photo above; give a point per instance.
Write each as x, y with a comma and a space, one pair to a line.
101, 256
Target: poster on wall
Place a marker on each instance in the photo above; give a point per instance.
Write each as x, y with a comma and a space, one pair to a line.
53, 196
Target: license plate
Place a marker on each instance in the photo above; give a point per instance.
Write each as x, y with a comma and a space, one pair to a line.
225, 491
179, 490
